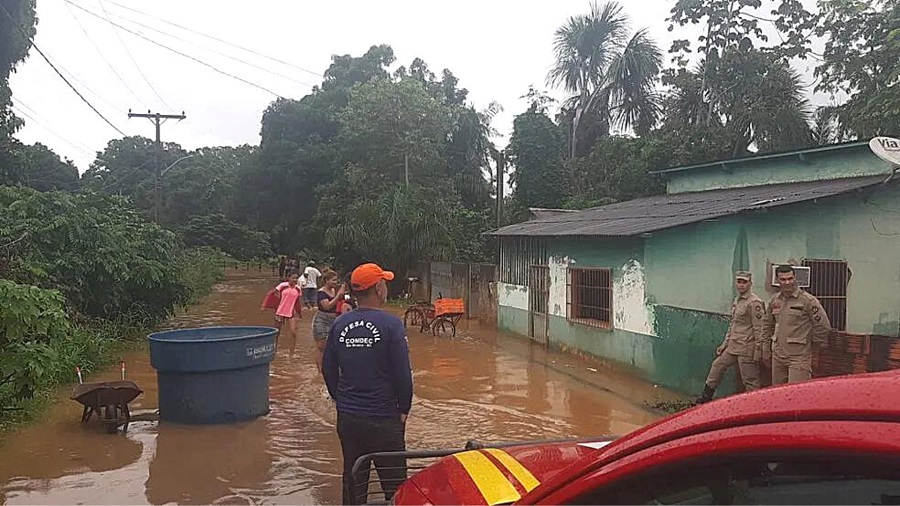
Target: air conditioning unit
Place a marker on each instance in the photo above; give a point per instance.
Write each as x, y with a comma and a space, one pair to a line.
801, 273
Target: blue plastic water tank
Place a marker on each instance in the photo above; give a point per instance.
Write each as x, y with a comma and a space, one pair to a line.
213, 374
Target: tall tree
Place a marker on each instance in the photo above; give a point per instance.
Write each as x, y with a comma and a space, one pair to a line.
756, 99
127, 167
611, 77
862, 60
299, 151
17, 27
43, 170
537, 150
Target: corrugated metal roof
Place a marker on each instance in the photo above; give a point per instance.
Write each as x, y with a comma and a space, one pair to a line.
665, 211
539, 213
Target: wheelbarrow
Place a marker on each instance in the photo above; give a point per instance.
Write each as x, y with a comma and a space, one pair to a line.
108, 399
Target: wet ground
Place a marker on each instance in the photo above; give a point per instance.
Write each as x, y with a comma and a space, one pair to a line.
479, 385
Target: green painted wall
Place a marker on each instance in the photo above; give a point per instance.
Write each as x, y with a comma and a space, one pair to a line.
862, 228
846, 162
687, 279
514, 320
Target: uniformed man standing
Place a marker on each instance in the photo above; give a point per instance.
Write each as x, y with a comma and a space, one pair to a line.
743, 342
794, 321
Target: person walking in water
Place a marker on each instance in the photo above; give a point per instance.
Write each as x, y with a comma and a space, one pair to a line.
327, 299
287, 314
312, 284
367, 373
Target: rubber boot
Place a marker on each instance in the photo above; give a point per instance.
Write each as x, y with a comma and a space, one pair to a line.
706, 396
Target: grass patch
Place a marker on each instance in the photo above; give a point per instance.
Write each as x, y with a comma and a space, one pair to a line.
670, 407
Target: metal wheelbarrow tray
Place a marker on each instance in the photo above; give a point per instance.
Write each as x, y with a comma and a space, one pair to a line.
109, 399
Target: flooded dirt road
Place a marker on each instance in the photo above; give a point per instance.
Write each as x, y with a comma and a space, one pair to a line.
478, 385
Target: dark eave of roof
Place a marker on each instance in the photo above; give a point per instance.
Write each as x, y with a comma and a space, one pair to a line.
660, 212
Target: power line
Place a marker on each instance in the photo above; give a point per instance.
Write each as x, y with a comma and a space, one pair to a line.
317, 74
86, 87
201, 62
86, 34
226, 55
128, 52
24, 34
77, 147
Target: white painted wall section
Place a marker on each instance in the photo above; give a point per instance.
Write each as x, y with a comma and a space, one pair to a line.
630, 308
515, 296
559, 291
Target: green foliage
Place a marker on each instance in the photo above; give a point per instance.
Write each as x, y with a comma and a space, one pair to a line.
755, 99
96, 250
617, 170
862, 59
390, 126
43, 170
38, 345
199, 269
15, 35
536, 150
217, 231
735, 24
612, 78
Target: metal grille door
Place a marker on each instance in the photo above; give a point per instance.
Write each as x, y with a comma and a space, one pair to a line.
539, 302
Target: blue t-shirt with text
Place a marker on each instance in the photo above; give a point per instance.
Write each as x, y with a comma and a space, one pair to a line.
366, 364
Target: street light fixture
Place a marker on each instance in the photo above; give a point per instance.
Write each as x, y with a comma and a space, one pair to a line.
159, 175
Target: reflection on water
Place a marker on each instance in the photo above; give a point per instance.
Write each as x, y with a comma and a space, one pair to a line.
479, 385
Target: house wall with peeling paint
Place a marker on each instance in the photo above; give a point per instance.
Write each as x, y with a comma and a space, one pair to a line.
672, 289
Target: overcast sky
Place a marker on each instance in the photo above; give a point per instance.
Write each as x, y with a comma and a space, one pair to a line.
496, 48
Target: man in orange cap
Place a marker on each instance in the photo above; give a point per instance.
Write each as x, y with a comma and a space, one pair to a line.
367, 372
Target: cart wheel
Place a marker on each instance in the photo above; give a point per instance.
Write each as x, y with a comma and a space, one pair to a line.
413, 317
111, 418
443, 326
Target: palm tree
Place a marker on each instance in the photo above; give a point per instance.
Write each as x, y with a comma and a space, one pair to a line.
757, 99
611, 78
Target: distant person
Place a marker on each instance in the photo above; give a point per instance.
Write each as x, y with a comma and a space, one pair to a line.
312, 284
794, 321
288, 313
327, 299
282, 266
347, 303
367, 372
743, 344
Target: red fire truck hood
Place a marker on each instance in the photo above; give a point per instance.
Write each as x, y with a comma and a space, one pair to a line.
492, 475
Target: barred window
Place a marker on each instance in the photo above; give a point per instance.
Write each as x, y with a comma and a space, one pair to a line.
590, 297
828, 281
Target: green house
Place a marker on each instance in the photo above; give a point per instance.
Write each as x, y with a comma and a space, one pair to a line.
648, 283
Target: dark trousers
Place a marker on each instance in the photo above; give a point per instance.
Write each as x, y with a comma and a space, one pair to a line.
360, 435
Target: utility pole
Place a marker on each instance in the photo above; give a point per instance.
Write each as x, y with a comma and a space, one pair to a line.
500, 160
157, 119
501, 168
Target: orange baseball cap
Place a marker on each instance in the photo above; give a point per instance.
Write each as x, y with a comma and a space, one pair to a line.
366, 275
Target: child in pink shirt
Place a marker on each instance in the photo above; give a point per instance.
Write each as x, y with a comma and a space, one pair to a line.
287, 312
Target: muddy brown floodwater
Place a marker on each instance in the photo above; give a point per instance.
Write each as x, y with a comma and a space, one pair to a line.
479, 385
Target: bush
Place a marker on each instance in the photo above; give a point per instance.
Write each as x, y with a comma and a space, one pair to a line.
199, 269
217, 231
96, 250
39, 347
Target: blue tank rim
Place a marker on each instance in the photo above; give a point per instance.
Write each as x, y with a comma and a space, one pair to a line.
263, 331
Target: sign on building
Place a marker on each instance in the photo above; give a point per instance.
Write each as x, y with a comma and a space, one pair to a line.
886, 148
